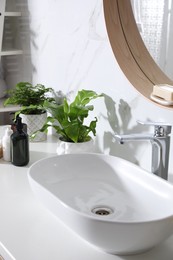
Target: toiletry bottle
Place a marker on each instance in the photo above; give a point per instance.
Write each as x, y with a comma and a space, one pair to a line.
6, 144
19, 145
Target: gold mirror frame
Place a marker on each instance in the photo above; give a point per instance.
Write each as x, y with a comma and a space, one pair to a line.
129, 49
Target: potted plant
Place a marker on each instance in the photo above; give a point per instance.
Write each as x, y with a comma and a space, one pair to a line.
31, 105
68, 119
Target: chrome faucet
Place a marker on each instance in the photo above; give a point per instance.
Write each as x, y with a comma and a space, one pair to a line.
160, 142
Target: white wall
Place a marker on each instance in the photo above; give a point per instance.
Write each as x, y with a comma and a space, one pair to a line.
71, 51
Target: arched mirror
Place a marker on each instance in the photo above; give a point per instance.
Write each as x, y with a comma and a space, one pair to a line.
129, 48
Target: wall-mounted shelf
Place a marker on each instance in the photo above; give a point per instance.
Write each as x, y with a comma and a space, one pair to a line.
9, 108
15, 58
11, 52
7, 25
13, 14
7, 113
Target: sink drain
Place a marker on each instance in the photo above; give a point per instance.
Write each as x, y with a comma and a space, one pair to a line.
102, 211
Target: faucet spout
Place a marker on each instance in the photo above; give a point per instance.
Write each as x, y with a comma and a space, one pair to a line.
160, 142
135, 137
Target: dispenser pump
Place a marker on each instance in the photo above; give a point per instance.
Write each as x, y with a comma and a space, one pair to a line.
19, 125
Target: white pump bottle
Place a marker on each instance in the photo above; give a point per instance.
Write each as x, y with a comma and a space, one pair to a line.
6, 144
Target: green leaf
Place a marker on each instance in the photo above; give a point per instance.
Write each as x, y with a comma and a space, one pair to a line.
92, 126
71, 117
30, 98
85, 96
66, 106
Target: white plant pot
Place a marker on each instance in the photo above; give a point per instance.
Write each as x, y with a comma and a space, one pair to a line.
69, 147
34, 123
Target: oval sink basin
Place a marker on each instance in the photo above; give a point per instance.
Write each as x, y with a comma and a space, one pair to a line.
113, 204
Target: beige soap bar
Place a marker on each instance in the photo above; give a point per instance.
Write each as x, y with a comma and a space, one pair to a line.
163, 91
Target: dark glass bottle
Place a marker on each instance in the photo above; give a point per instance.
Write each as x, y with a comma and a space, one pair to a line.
19, 145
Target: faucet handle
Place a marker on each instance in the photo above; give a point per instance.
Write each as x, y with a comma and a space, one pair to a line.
160, 128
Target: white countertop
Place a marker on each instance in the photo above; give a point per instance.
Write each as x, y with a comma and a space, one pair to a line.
28, 231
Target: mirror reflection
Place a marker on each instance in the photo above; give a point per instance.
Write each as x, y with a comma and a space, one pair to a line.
155, 23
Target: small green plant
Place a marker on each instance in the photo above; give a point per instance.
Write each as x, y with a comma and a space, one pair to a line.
68, 119
30, 98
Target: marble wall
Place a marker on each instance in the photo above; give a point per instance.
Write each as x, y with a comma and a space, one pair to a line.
71, 51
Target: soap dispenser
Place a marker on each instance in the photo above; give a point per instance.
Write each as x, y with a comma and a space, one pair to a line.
19, 145
6, 144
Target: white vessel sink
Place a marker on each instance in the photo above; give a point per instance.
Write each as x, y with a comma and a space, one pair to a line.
113, 204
